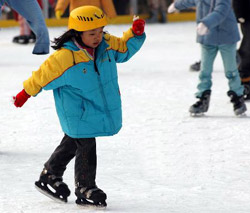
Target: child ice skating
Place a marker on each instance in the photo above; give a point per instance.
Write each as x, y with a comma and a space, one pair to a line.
217, 30
83, 76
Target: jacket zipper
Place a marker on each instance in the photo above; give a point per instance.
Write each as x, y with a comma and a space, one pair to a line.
96, 69
104, 98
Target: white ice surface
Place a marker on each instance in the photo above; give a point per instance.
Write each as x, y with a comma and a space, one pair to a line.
162, 161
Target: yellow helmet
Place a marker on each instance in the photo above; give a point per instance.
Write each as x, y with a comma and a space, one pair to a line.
86, 18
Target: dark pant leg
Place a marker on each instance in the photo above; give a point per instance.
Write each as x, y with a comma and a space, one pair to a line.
244, 52
85, 162
61, 156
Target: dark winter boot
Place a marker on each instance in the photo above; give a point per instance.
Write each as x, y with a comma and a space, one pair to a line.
202, 105
246, 90
92, 196
196, 66
21, 39
238, 103
52, 186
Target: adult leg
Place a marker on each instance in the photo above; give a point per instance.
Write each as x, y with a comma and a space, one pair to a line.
244, 52
23, 37
32, 12
163, 10
154, 9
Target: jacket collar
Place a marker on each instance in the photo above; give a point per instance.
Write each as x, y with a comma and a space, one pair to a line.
71, 45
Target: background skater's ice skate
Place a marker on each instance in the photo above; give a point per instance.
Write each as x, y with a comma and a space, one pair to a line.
52, 186
238, 103
196, 66
21, 39
91, 196
246, 91
202, 105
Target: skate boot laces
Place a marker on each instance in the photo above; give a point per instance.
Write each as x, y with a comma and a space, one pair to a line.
88, 192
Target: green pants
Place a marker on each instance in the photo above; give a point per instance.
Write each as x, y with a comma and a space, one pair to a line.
228, 54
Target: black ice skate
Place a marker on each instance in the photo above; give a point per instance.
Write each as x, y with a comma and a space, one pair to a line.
22, 39
32, 37
91, 196
196, 66
52, 186
238, 103
202, 105
246, 91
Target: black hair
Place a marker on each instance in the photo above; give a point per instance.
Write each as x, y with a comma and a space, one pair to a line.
67, 36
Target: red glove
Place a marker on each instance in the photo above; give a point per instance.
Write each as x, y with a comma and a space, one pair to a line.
138, 26
20, 98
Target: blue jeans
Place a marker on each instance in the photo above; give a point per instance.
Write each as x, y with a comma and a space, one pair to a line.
228, 54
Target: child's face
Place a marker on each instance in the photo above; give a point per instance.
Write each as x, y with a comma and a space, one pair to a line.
92, 38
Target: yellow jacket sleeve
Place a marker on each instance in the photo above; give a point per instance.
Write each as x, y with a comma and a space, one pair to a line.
125, 47
119, 44
52, 69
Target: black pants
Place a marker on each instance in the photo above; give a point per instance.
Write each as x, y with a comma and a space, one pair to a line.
84, 151
244, 52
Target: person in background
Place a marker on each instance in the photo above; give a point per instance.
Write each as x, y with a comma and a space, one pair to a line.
157, 7
82, 73
242, 12
122, 7
217, 31
26, 35
106, 5
31, 11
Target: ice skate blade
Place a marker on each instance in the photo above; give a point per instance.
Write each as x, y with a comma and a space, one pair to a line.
22, 42
82, 203
192, 114
58, 200
90, 206
243, 115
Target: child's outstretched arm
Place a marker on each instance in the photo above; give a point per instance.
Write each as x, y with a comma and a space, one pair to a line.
48, 76
125, 47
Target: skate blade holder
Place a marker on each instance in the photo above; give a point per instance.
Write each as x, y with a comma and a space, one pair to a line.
48, 191
85, 203
242, 115
197, 115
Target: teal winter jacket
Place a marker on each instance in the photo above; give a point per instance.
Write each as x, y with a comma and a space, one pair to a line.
86, 90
